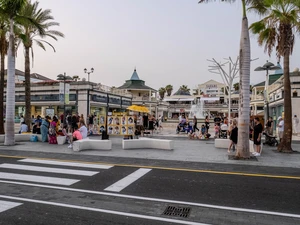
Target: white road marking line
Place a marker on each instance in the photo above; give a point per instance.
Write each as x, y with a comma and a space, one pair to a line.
48, 169
126, 181
156, 199
104, 211
5, 205
38, 179
61, 163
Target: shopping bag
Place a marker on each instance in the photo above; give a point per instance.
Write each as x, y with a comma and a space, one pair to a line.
251, 146
33, 138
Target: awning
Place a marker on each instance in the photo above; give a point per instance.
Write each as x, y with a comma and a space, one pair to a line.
210, 99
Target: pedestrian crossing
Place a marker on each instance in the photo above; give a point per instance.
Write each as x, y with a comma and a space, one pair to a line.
40, 172
48, 167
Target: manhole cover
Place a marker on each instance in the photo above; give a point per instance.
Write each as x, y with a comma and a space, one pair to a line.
177, 211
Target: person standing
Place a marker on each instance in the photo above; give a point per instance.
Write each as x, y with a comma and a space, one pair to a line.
269, 126
22, 119
195, 124
295, 124
280, 128
44, 129
233, 135
258, 129
206, 123
160, 122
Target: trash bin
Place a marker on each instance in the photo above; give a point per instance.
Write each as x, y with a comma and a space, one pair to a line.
61, 140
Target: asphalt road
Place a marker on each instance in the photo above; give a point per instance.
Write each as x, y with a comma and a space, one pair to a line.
35, 191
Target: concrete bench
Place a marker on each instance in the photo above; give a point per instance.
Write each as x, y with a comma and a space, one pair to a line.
222, 143
90, 144
21, 137
146, 143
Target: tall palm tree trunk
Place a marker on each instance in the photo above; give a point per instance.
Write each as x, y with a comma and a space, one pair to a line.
10, 90
286, 144
2, 58
244, 102
27, 89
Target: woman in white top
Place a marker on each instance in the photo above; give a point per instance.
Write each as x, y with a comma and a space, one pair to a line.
83, 130
23, 128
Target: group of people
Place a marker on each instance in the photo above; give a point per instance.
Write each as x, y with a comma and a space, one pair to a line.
74, 128
147, 122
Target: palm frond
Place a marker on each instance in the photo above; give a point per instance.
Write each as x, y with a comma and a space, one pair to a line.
40, 44
48, 43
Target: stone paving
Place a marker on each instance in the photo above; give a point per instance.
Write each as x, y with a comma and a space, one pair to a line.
185, 150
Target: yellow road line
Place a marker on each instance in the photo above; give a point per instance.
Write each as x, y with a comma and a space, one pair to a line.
164, 168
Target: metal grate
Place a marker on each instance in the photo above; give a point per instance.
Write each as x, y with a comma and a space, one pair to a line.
177, 211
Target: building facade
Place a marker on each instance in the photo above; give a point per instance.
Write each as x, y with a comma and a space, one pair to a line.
82, 97
140, 93
276, 96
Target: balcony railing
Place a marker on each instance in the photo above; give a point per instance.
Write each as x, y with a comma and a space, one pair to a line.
257, 97
152, 99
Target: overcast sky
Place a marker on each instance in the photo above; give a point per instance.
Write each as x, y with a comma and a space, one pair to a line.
168, 41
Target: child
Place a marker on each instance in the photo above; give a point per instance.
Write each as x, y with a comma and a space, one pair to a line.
203, 129
217, 130
192, 135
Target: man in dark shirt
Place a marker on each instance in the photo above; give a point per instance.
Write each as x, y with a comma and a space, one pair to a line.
269, 126
217, 120
258, 129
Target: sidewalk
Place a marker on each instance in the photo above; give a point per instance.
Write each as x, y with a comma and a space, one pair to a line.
185, 150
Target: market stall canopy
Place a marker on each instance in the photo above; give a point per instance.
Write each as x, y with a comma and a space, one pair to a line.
138, 108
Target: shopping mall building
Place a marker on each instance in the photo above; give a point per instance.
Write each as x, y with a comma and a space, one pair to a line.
83, 97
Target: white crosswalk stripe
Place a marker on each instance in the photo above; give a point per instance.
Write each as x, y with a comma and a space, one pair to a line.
5, 205
38, 179
126, 181
39, 167
62, 163
47, 169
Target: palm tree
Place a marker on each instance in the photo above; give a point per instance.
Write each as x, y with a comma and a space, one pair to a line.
30, 34
277, 30
169, 89
162, 92
245, 61
3, 52
11, 9
184, 88
236, 86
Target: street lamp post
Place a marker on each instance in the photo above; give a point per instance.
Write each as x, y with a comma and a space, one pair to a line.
88, 91
88, 72
266, 67
64, 78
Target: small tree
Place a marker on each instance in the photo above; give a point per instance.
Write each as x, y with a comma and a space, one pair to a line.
169, 89
236, 86
162, 92
184, 88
